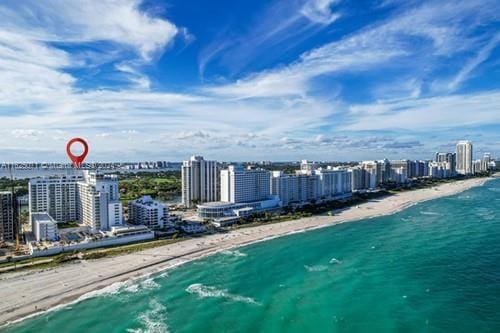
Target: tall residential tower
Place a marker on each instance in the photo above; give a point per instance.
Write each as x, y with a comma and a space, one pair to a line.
200, 181
464, 158
99, 201
6, 216
55, 196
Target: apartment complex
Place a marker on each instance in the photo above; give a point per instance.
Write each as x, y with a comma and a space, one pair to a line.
99, 201
56, 196
148, 212
200, 181
294, 188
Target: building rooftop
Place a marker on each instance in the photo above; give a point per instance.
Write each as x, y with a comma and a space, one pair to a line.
42, 217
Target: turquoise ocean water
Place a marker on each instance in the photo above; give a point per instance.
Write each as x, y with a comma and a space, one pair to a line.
434, 267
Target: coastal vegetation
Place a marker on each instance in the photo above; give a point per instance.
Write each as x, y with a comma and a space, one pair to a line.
162, 186
20, 185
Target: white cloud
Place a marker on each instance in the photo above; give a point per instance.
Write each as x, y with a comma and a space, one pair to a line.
34, 71
426, 113
320, 11
283, 23
119, 22
443, 25
481, 56
26, 133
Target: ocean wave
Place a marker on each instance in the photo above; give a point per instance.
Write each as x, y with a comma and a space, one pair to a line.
335, 261
316, 268
149, 284
209, 291
133, 288
234, 253
429, 213
163, 275
153, 320
112, 289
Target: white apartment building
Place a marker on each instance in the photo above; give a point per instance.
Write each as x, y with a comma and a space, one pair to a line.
6, 216
295, 188
486, 164
451, 158
285, 187
464, 158
400, 170
56, 196
99, 201
373, 173
307, 167
329, 183
148, 212
358, 178
44, 227
334, 182
440, 170
244, 185
200, 181
384, 171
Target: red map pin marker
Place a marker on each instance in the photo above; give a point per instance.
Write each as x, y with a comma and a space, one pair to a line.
77, 160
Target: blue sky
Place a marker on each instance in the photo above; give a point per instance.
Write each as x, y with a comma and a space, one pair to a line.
248, 80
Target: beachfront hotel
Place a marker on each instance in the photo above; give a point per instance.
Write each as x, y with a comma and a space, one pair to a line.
244, 185
243, 192
200, 181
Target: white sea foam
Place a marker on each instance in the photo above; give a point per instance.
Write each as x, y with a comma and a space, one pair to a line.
149, 284
234, 253
429, 213
153, 320
163, 275
112, 289
209, 291
133, 288
335, 261
316, 268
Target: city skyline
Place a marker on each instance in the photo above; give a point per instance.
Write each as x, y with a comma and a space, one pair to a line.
319, 80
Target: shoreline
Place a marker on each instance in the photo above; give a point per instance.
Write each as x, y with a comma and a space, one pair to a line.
34, 292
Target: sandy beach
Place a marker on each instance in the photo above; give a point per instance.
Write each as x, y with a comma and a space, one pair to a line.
29, 292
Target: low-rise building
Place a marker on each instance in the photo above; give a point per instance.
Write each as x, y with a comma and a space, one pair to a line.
213, 210
44, 227
192, 228
148, 212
